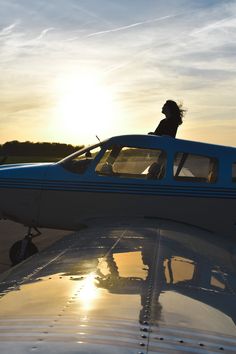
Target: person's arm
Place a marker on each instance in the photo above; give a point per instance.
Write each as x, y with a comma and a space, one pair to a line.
160, 130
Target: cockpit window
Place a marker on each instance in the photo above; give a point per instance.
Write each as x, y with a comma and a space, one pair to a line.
234, 173
132, 162
79, 162
195, 168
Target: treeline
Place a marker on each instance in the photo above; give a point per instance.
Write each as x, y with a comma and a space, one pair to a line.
27, 148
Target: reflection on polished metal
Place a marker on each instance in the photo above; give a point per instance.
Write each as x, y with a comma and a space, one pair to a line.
146, 287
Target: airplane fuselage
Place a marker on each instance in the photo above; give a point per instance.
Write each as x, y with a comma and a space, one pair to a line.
189, 182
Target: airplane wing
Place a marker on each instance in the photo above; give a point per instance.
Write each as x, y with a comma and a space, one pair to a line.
130, 286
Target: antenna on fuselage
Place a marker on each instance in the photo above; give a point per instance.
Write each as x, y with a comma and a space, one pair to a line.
98, 138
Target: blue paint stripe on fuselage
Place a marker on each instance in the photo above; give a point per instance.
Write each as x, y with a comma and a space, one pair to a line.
121, 188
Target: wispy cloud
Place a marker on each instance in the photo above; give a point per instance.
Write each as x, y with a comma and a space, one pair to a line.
137, 24
44, 32
8, 30
224, 23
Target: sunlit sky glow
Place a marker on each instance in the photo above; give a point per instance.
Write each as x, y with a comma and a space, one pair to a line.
73, 69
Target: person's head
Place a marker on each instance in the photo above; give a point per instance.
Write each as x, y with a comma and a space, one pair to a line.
173, 111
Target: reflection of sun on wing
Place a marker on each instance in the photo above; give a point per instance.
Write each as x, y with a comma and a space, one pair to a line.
88, 292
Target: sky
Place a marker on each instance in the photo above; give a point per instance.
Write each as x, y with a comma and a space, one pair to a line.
74, 69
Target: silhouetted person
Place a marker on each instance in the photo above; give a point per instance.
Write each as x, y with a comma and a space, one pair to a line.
169, 125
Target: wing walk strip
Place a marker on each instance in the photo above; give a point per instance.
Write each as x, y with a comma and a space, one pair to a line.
128, 188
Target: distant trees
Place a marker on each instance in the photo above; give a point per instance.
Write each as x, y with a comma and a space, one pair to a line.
27, 148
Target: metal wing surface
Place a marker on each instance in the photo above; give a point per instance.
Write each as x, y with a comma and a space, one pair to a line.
139, 286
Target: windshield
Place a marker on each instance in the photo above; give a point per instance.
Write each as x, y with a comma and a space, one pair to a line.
80, 152
79, 161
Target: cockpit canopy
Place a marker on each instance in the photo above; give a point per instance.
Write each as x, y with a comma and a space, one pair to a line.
152, 161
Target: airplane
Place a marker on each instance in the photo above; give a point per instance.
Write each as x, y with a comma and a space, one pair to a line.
124, 176
154, 271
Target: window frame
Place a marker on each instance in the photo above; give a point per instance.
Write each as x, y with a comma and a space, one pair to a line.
131, 175
194, 179
233, 177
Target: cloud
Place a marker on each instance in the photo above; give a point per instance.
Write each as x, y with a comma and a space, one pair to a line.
8, 30
122, 28
145, 51
228, 22
43, 33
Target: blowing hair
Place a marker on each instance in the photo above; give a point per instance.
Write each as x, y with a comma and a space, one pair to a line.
177, 112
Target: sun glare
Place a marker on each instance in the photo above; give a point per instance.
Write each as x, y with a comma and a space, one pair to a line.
89, 292
86, 107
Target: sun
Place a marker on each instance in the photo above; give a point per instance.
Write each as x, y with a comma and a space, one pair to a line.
86, 106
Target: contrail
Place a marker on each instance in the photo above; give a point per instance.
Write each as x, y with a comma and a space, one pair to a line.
131, 26
215, 25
